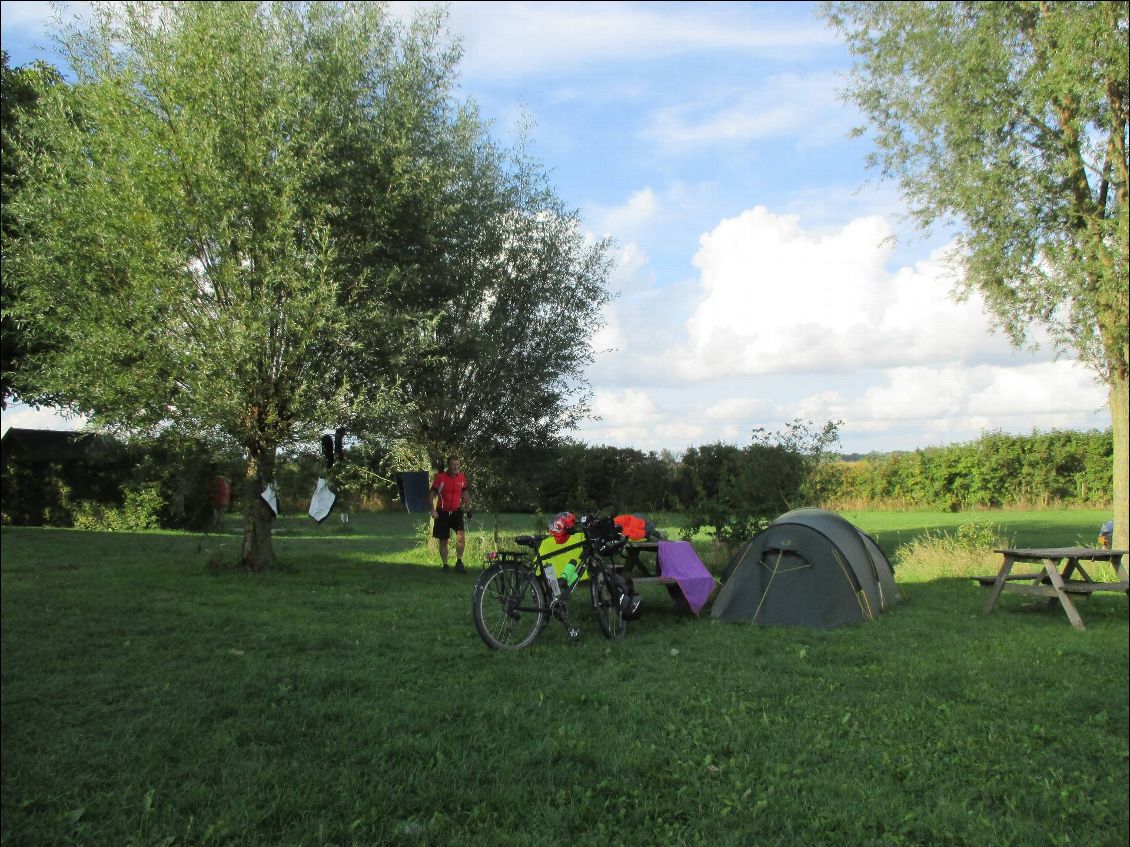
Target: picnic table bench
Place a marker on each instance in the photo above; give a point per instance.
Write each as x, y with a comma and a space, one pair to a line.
634, 565
1061, 574
687, 580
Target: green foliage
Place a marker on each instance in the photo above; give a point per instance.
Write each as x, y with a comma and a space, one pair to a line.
580, 477
995, 471
141, 510
42, 490
1010, 118
42, 484
19, 93
716, 481
740, 491
502, 370
252, 216
967, 551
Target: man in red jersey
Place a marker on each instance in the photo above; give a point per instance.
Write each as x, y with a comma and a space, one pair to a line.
451, 497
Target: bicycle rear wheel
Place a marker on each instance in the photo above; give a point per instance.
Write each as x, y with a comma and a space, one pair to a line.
508, 606
604, 602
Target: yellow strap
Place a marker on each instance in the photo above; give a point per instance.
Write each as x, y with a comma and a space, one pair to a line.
864, 610
765, 593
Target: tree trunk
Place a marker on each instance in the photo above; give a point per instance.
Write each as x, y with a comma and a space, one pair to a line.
258, 554
1120, 427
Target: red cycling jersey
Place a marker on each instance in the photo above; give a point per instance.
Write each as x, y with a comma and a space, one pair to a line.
450, 489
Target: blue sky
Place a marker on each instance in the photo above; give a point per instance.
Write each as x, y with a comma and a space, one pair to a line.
763, 272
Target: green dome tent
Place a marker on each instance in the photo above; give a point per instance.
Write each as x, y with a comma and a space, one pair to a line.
809, 568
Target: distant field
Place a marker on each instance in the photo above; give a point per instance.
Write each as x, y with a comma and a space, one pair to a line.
152, 695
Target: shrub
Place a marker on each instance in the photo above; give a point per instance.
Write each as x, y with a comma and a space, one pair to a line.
141, 509
740, 491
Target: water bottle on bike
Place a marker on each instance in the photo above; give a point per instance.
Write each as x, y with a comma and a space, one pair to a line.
515, 598
551, 580
570, 573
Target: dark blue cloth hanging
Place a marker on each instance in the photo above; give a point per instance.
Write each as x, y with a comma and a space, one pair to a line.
413, 488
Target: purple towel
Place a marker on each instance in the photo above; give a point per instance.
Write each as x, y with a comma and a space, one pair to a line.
677, 559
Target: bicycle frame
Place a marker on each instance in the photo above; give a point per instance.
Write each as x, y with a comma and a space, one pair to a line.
537, 562
595, 541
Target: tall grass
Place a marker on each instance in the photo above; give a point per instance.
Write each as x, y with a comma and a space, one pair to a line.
970, 550
937, 554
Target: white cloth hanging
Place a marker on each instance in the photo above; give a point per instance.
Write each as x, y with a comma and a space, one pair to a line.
271, 498
322, 502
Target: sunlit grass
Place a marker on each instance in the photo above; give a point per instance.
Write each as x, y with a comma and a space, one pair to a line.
345, 698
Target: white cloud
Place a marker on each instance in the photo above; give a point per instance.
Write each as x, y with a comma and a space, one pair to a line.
625, 417
28, 417
738, 409
944, 403
629, 277
626, 219
678, 432
776, 298
504, 40
619, 408
804, 106
785, 322
33, 19
30, 16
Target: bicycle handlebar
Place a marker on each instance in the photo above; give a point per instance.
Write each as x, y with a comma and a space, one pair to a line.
603, 532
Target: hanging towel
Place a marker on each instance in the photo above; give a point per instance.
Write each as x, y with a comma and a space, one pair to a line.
271, 498
413, 488
322, 503
678, 560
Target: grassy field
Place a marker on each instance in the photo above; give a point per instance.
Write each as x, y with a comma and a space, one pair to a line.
154, 696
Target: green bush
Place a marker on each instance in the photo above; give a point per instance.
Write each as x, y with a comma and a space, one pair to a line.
141, 509
998, 470
737, 492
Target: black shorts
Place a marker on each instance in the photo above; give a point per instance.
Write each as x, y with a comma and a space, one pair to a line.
446, 522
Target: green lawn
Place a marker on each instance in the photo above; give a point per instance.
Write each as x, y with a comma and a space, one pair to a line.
151, 696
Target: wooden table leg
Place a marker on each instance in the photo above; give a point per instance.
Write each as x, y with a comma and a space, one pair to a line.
1120, 569
1082, 571
1002, 577
1073, 567
1052, 570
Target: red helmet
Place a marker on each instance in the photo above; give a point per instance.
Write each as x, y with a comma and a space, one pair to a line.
561, 527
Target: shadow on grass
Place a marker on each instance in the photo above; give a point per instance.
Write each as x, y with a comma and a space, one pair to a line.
955, 605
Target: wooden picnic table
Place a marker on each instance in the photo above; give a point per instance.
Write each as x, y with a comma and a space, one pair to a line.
634, 565
1061, 575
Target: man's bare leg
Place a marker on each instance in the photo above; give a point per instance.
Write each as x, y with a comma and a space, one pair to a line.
443, 550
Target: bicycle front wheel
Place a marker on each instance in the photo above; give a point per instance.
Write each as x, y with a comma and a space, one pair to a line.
508, 606
604, 602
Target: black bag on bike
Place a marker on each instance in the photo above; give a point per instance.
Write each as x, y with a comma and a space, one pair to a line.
631, 604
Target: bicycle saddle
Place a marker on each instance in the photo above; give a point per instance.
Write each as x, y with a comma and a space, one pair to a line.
527, 540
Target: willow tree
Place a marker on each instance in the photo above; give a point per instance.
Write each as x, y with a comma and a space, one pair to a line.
517, 338
19, 92
1009, 120
244, 218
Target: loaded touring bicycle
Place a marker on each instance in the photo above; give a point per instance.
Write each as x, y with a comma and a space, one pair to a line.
517, 595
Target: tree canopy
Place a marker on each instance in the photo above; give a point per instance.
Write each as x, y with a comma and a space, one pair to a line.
248, 217
513, 342
1009, 121
19, 93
